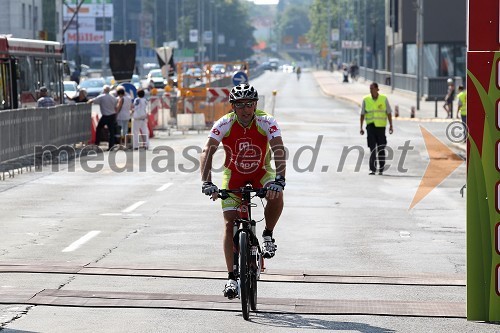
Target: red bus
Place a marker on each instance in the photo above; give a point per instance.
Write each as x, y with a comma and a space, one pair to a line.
25, 66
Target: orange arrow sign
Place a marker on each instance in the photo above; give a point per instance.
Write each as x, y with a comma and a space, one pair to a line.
443, 161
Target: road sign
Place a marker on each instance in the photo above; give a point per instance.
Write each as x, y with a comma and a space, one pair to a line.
130, 89
193, 35
217, 95
239, 78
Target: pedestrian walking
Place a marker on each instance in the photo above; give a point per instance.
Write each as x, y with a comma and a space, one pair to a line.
448, 99
81, 97
45, 100
123, 109
298, 71
140, 120
376, 110
107, 104
462, 108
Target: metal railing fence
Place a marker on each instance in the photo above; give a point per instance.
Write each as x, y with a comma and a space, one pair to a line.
21, 130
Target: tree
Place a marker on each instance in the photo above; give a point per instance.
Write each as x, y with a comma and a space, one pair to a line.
318, 17
292, 23
173, 19
234, 23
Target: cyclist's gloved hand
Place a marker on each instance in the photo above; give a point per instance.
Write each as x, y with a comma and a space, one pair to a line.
278, 184
209, 188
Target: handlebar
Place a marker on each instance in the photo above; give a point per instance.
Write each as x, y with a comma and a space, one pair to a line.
260, 192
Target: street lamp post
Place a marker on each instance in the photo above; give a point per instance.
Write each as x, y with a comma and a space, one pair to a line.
420, 49
393, 49
374, 46
103, 64
364, 41
329, 38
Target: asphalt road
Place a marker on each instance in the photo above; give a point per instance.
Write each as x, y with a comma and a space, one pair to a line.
338, 222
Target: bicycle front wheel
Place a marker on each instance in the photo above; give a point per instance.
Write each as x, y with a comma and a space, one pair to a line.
244, 275
253, 292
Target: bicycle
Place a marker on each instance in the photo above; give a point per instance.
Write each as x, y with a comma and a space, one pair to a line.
248, 260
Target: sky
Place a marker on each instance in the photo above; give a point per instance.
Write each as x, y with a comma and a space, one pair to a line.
265, 2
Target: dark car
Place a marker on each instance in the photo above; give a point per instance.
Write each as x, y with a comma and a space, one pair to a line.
93, 86
266, 65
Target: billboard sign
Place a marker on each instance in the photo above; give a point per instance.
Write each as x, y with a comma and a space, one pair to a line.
483, 173
94, 22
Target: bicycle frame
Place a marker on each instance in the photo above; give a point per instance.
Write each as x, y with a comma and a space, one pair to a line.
245, 221
248, 262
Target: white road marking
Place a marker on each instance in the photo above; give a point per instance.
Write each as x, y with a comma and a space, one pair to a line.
133, 207
404, 234
164, 187
73, 246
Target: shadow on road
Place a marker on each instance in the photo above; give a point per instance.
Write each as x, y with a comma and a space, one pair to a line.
298, 321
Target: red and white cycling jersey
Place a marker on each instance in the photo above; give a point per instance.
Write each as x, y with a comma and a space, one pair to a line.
246, 147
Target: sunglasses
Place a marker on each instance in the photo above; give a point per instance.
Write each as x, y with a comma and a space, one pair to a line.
242, 105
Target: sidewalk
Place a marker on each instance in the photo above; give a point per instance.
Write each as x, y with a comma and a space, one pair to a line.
331, 84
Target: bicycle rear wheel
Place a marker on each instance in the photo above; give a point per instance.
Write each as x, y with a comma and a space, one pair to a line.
244, 275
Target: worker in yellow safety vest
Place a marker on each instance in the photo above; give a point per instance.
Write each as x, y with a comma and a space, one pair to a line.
462, 107
376, 110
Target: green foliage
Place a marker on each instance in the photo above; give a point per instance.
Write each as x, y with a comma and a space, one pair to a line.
482, 301
294, 21
341, 11
232, 21
318, 17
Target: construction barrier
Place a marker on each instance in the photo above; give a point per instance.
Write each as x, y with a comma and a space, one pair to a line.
94, 120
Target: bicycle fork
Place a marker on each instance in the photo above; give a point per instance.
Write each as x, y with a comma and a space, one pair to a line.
256, 259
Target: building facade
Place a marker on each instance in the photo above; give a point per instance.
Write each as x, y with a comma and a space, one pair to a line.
444, 37
32, 19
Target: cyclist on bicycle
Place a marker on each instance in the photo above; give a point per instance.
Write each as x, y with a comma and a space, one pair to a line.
246, 135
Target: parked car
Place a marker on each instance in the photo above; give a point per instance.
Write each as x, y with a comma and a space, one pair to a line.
252, 63
274, 63
156, 76
287, 68
194, 72
218, 69
110, 80
93, 86
136, 81
70, 90
266, 65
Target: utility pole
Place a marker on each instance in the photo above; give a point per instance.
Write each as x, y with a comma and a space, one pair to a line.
33, 18
329, 37
124, 13
420, 48
200, 33
374, 45
155, 23
364, 41
103, 64
216, 35
393, 48
202, 14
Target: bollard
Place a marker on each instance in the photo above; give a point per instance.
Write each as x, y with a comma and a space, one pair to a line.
275, 92
396, 111
412, 112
